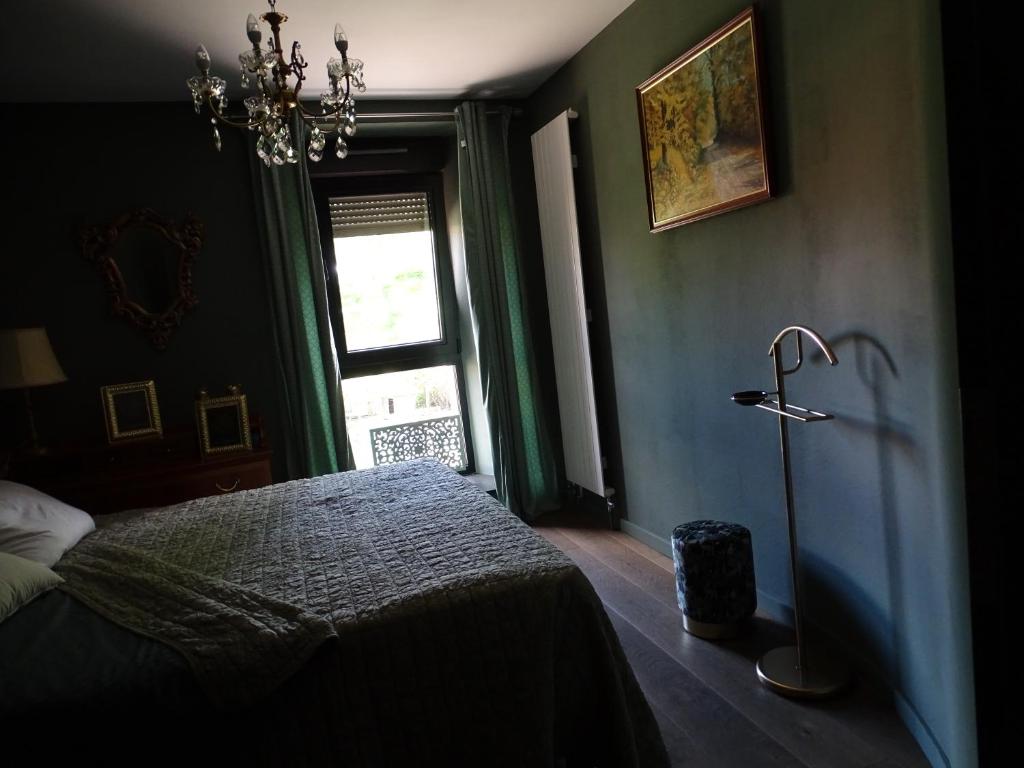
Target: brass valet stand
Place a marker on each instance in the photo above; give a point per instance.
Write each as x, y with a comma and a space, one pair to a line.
793, 670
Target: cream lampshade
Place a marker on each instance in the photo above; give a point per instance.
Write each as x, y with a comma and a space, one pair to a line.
27, 360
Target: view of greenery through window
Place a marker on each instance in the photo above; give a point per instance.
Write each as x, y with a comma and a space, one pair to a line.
390, 399
389, 294
388, 289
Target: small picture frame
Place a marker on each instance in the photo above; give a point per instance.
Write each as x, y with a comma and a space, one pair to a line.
223, 423
131, 411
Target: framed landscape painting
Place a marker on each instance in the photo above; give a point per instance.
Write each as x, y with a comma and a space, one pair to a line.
702, 123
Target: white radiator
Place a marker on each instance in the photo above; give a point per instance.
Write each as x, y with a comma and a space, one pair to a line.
570, 340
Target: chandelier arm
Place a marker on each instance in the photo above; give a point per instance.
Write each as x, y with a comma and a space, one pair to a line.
278, 97
336, 128
234, 123
309, 119
267, 93
298, 87
339, 117
281, 71
337, 111
298, 64
301, 109
275, 20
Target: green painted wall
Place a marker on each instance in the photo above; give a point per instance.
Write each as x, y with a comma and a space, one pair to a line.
857, 246
105, 160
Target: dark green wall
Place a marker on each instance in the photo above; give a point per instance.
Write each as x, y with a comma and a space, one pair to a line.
83, 165
857, 246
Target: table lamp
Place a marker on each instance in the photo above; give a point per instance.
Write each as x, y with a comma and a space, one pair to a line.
26, 361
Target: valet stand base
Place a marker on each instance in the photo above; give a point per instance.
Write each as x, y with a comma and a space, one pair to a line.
823, 676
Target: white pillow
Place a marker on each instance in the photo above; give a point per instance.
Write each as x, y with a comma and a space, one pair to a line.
21, 582
38, 527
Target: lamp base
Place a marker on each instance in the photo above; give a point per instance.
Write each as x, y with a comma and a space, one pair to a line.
823, 675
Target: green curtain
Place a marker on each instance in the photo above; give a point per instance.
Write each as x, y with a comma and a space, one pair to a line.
313, 417
524, 466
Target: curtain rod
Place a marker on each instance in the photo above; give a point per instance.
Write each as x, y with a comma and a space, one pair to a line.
401, 117
394, 116
414, 116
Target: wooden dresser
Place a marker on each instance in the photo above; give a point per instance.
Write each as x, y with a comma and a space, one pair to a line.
102, 479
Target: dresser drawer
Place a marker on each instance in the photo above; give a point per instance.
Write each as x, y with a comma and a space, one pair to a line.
119, 486
225, 479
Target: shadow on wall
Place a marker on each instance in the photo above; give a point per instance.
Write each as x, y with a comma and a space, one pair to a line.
869, 633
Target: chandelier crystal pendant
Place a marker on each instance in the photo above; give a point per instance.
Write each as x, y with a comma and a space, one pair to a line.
276, 99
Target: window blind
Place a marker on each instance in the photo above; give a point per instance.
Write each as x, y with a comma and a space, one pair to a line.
379, 214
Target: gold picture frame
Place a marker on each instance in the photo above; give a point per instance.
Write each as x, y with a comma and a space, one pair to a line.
131, 411
702, 124
223, 423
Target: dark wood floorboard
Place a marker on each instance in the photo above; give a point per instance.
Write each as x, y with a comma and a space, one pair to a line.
721, 734
705, 695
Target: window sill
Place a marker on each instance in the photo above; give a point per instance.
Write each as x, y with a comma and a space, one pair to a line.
484, 482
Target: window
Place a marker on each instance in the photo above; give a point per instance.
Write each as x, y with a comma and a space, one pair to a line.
392, 304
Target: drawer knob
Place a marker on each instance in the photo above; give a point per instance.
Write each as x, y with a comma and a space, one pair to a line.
234, 485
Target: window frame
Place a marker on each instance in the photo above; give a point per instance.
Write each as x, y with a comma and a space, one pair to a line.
401, 357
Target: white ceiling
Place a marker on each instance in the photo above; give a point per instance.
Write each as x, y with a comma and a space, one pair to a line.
143, 50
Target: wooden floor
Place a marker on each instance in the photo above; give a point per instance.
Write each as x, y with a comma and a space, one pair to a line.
709, 704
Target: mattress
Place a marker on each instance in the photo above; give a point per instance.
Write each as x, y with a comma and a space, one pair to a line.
393, 616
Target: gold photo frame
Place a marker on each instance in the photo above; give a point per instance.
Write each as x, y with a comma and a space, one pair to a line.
223, 423
702, 124
131, 411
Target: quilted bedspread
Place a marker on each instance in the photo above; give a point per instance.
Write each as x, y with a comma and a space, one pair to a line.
444, 630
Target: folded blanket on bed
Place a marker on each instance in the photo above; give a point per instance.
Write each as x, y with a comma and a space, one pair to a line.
462, 637
242, 645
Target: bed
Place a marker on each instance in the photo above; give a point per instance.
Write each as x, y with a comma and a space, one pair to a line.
386, 617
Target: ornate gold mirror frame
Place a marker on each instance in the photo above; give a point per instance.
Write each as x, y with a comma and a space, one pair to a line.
98, 247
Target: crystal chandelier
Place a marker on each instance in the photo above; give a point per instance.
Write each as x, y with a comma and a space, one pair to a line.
276, 100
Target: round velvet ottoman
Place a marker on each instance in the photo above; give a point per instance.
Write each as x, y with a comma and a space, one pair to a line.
714, 577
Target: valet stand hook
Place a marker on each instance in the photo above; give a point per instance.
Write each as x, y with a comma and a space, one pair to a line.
788, 670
